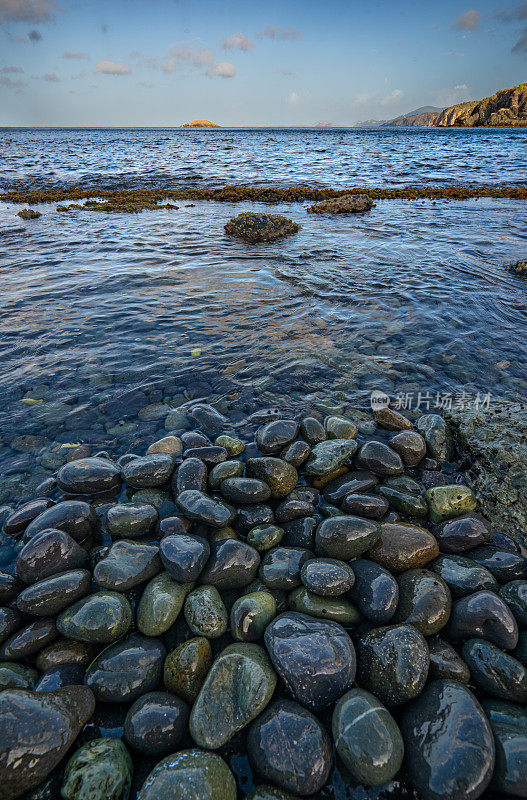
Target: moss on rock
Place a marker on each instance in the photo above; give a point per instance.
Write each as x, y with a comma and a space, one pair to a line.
255, 228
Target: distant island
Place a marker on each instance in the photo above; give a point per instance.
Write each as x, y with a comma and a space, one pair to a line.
200, 123
505, 108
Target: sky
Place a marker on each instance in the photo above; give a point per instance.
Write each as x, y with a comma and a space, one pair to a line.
250, 62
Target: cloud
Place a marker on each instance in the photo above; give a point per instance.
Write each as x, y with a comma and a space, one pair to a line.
9, 83
145, 85
394, 97
238, 41
468, 21
11, 70
51, 77
461, 87
34, 36
293, 98
78, 56
107, 67
285, 71
514, 14
27, 10
190, 54
223, 69
521, 44
272, 32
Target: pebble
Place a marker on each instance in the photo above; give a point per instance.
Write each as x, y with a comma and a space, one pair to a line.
39, 728
411, 447
367, 738
354, 482
232, 565
245, 490
276, 435
64, 651
327, 577
88, 476
340, 428
514, 594
48, 553
279, 475
495, 671
365, 505
232, 445
99, 770
186, 668
446, 663
448, 743
393, 663
171, 445
17, 676
199, 507
453, 500
205, 612
326, 457
510, 771
209, 454
191, 475
424, 601
184, 556
238, 687
375, 591
314, 658
312, 431
148, 472
131, 521
156, 723
281, 567
161, 604
127, 669
380, 459
16, 522
251, 614
462, 575
402, 546
127, 564
346, 537
404, 495
297, 453
189, 775
227, 469
265, 537
74, 517
28, 640
504, 565
300, 532
390, 419
10, 621
101, 618
51, 595
437, 436
303, 768
337, 609
462, 534
484, 615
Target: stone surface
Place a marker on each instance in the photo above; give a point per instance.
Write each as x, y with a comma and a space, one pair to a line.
367, 738
484, 615
393, 663
276, 435
186, 668
29, 640
232, 565
303, 768
346, 537
197, 506
17, 676
189, 775
205, 612
281, 567
53, 594
327, 577
424, 601
514, 594
445, 662
131, 521
126, 670
510, 772
88, 476
380, 459
279, 475
410, 445
160, 604
237, 688
462, 575
437, 435
337, 609
402, 546
36, 731
100, 770
251, 614
72, 516
127, 564
156, 723
448, 743
184, 556
148, 472
314, 658
103, 618
496, 672
453, 500
462, 534
375, 591
326, 457
48, 553
365, 505
265, 537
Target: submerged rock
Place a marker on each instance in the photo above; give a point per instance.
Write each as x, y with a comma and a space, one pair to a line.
38, 729
254, 228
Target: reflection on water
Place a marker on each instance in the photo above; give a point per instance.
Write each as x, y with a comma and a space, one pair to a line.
101, 315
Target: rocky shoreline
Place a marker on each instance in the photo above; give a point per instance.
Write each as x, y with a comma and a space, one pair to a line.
354, 585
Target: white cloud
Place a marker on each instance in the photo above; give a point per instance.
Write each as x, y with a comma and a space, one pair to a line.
237, 41
107, 67
78, 56
27, 10
191, 54
293, 98
394, 97
461, 87
223, 69
272, 32
469, 21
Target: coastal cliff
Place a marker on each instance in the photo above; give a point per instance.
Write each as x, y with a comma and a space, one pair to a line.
200, 123
505, 108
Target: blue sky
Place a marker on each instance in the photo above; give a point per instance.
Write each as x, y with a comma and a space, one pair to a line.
249, 62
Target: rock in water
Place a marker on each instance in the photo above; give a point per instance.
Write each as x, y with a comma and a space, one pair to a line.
88, 476
238, 687
315, 658
367, 738
36, 731
344, 204
448, 742
254, 228
100, 770
189, 775
288, 745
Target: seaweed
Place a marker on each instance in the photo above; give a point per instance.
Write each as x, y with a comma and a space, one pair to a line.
29, 213
255, 228
346, 204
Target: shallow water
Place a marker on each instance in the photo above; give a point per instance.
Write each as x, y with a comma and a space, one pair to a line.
103, 314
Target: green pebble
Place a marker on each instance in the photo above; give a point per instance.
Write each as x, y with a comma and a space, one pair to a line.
227, 469
336, 609
264, 537
100, 770
232, 445
160, 604
454, 500
251, 614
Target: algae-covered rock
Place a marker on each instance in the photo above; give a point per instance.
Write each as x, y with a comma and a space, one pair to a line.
100, 770
345, 204
254, 228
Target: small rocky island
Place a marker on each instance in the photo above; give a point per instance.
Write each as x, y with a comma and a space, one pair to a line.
200, 123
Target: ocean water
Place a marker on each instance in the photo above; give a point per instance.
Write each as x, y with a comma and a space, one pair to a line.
103, 314
107, 322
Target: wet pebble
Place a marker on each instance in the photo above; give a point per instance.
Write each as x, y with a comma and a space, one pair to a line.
484, 615
148, 472
184, 556
99, 770
186, 668
156, 723
88, 476
101, 618
375, 591
327, 577
127, 564
127, 669
189, 774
